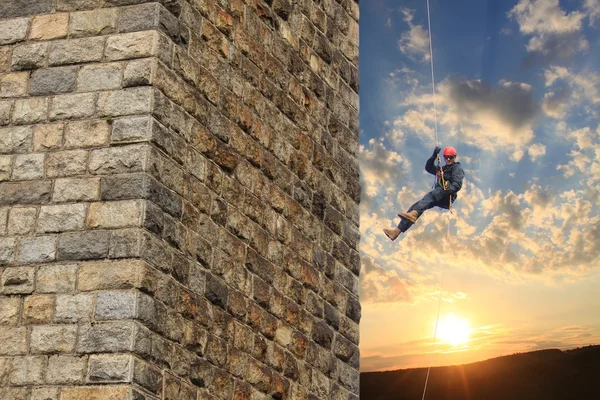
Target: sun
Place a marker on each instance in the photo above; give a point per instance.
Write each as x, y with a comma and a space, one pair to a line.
454, 330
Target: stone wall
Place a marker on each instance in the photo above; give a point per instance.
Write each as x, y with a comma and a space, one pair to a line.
179, 199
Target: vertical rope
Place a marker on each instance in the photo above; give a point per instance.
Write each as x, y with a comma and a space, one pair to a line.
437, 320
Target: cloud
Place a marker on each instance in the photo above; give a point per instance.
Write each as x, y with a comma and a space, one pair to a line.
555, 34
379, 285
379, 166
592, 7
570, 89
414, 43
536, 151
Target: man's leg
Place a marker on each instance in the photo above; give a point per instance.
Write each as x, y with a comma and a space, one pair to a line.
430, 200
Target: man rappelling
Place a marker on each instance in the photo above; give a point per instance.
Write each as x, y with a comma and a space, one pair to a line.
449, 179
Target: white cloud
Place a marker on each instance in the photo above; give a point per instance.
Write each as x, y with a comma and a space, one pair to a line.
380, 285
414, 42
592, 7
570, 89
555, 33
379, 167
536, 151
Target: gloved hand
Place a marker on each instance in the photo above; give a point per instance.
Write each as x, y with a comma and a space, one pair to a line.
436, 151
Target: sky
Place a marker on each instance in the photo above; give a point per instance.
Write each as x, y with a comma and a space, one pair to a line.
516, 263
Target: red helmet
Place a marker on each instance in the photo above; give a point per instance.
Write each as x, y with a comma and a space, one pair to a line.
450, 151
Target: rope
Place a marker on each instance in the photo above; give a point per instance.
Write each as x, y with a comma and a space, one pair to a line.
437, 320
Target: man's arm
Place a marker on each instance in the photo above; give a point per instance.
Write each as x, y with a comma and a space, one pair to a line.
430, 164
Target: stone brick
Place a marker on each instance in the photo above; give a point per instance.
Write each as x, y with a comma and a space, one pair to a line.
115, 305
28, 167
118, 160
15, 140
19, 8
123, 274
9, 311
106, 368
37, 249
48, 27
13, 30
131, 129
21, 220
19, 280
100, 77
30, 111
46, 339
3, 218
5, 55
118, 214
74, 308
147, 376
38, 309
131, 45
76, 51
13, 341
96, 393
93, 23
61, 218
14, 84
56, 278
15, 393
92, 133
138, 72
72, 189
47, 137
72, 106
66, 370
28, 371
29, 56
53, 81
5, 106
87, 245
37, 192
44, 393
125, 102
148, 17
5, 167
105, 337
66, 163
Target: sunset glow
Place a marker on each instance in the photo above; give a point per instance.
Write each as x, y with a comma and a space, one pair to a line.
454, 330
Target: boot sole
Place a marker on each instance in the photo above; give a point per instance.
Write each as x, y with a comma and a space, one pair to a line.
389, 237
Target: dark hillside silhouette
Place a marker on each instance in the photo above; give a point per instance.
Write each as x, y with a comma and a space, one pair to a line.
539, 375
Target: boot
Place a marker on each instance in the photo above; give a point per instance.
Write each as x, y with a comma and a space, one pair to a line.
392, 233
411, 216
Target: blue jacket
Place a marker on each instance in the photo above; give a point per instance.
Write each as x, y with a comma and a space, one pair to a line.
453, 174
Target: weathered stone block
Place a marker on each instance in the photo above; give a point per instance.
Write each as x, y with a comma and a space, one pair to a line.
53, 81
66, 163
93, 23
5, 108
38, 309
9, 312
109, 337
14, 84
66, 370
138, 72
107, 368
96, 393
15, 140
76, 51
122, 274
13, 341
28, 167
131, 45
67, 189
100, 77
48, 27
61, 218
93, 133
6, 163
118, 160
37, 249
37, 192
118, 214
29, 56
125, 102
75, 308
131, 129
30, 111
45, 393
13, 30
115, 305
47, 137
87, 245
56, 278
19, 8
53, 338
73, 106
28, 371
